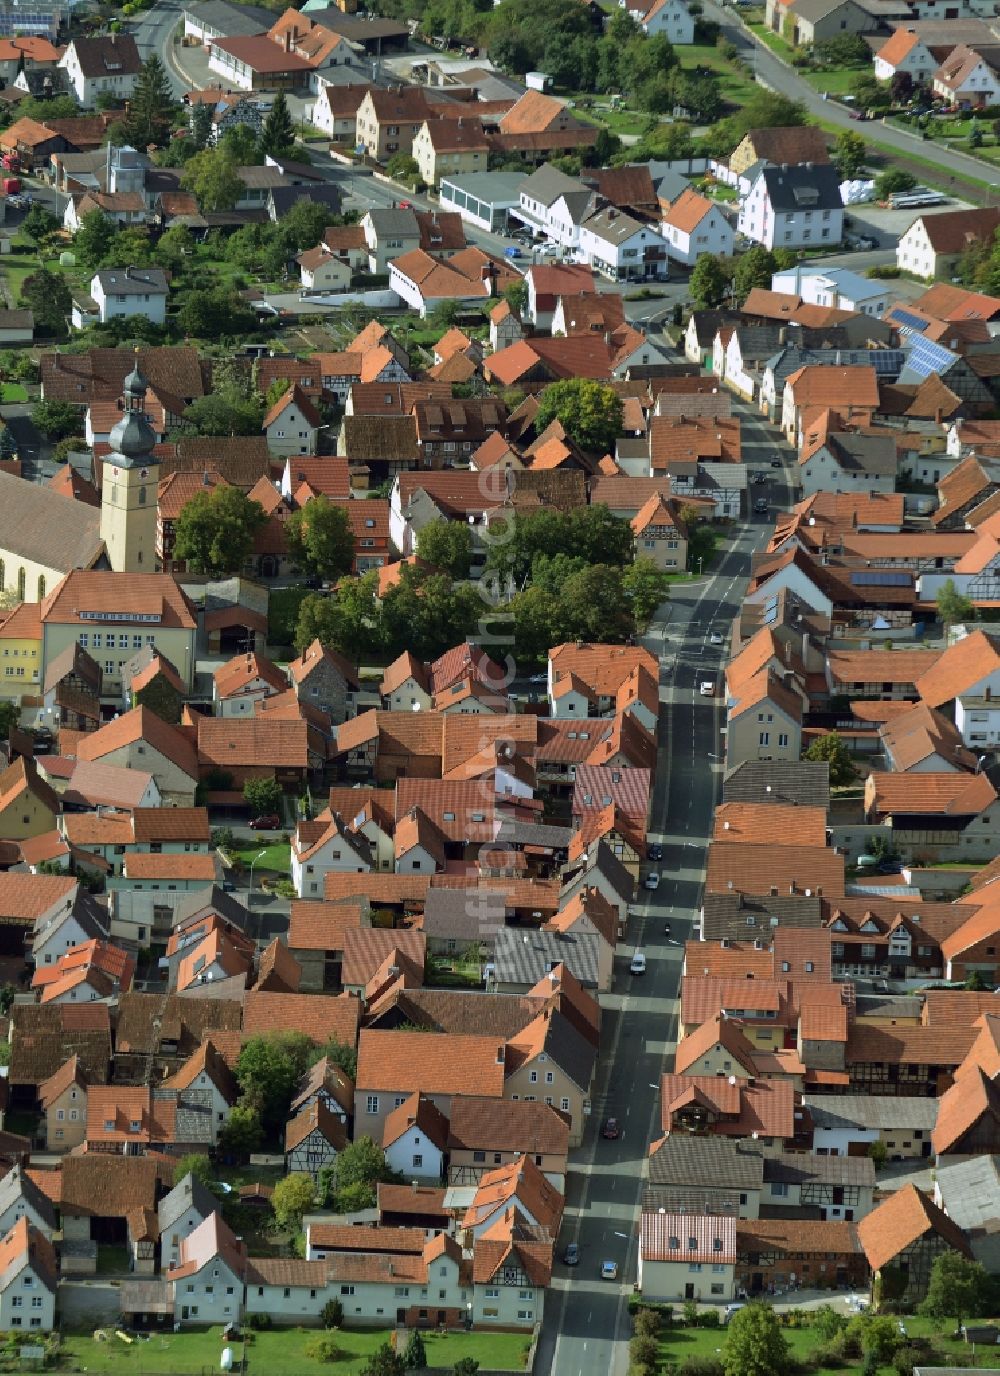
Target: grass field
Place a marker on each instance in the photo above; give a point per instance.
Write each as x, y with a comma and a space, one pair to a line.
836, 81
737, 87
276, 858
280, 1352
678, 1344
772, 40
13, 391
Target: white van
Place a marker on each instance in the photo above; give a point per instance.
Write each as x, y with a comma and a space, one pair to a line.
638, 964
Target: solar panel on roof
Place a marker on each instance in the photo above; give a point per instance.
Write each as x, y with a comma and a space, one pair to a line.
908, 321
926, 357
880, 578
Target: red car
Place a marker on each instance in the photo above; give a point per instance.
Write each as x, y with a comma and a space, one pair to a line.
269, 822
405, 205
611, 1130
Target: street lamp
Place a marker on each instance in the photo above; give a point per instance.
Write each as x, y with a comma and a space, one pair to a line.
468, 1314
252, 863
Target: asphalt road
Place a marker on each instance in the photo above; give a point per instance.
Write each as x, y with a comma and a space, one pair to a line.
586, 1327
778, 77
153, 33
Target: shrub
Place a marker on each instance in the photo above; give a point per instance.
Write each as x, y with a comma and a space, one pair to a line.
644, 1351
258, 1321
332, 1314
690, 1313
700, 1366
324, 1349
709, 1318
647, 1323
828, 1323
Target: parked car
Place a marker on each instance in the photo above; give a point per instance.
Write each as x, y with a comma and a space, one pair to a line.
610, 1130
760, 505
512, 252
571, 1256
654, 851
269, 822
715, 638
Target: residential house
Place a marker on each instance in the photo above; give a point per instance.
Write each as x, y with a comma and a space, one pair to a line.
415, 1139
967, 79
63, 1101
932, 245
209, 1275
287, 1290
850, 393
20, 1197
120, 292
179, 1213
795, 144
694, 1174
240, 684
292, 424
449, 147
936, 814
29, 1276
844, 461
485, 1133
794, 207
622, 248
314, 1138
389, 119
781, 1252
104, 65
325, 679
694, 225
669, 17
904, 51
686, 1257
845, 1125
902, 1237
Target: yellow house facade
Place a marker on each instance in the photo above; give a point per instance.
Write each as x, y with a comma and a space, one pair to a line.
21, 653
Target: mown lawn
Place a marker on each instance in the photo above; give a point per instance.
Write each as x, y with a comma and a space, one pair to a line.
836, 81
11, 392
275, 858
772, 40
280, 1352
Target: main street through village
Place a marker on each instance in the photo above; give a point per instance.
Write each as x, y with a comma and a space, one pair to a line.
586, 1328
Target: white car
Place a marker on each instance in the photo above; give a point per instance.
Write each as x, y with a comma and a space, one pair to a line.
638, 964
706, 688
715, 638
652, 880
609, 1270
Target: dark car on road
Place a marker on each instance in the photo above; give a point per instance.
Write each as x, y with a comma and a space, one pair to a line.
269, 822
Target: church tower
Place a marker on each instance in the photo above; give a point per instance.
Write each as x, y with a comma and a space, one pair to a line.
129, 484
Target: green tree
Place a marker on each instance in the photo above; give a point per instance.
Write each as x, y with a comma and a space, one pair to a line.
384, 1361
242, 1133
843, 50
263, 796
590, 412
593, 605
48, 297
957, 1287
151, 107
10, 715
240, 143
337, 1053
293, 1195
755, 1344
277, 138
710, 282
267, 1071
223, 412
516, 296
890, 181
176, 247
403, 167
359, 1168
201, 125
319, 618
212, 178
320, 539
415, 1353
92, 241
850, 154
953, 606
753, 269
215, 530
196, 1163
447, 545
216, 314
877, 1334
832, 749
870, 94
57, 419
646, 586
39, 223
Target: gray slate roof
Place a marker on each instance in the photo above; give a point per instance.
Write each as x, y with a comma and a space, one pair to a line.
571, 1051
449, 916
730, 914
970, 1194
234, 21
133, 282
802, 1168
872, 454
872, 1111
717, 1162
547, 184
533, 834
523, 957
16, 1185
805, 783
187, 1192
47, 528
799, 188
